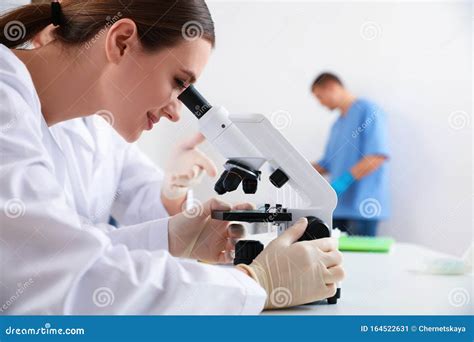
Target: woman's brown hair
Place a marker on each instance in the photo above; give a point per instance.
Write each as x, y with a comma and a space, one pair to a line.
160, 23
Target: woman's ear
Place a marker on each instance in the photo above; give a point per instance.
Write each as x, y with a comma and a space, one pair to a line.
44, 37
122, 37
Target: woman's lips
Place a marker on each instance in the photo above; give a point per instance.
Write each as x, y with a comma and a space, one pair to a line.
150, 124
152, 119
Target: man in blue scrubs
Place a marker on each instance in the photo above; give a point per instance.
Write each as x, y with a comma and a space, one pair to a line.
355, 157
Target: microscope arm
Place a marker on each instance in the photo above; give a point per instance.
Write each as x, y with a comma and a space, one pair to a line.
316, 192
252, 140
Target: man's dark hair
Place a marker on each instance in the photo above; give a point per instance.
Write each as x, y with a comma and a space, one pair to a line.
324, 78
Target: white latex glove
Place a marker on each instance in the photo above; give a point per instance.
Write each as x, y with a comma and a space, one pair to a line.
194, 234
297, 273
185, 168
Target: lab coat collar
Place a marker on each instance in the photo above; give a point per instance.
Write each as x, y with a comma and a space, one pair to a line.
93, 133
103, 135
77, 128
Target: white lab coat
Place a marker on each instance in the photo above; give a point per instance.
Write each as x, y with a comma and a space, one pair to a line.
58, 255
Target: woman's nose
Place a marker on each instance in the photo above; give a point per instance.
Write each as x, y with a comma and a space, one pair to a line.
172, 111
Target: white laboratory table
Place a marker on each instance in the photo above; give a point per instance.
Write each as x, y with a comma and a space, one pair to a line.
388, 284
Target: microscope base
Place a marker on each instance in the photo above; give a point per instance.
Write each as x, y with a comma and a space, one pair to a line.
333, 299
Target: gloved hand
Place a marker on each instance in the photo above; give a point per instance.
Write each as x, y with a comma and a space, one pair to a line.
185, 168
194, 234
297, 273
342, 183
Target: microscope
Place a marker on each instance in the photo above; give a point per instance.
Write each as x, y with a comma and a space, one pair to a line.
248, 142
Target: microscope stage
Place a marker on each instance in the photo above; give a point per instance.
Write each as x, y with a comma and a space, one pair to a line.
251, 216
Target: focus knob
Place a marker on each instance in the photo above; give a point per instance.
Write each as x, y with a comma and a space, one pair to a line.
316, 229
246, 251
278, 178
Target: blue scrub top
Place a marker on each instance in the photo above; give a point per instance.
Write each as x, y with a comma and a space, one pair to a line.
361, 132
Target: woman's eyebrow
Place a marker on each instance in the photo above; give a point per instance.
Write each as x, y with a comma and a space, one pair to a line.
191, 75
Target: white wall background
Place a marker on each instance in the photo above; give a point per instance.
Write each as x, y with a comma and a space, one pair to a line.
6, 5
414, 59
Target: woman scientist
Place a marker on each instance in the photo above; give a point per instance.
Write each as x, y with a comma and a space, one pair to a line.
128, 61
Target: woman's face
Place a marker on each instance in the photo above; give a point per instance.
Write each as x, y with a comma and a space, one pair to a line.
134, 88
142, 87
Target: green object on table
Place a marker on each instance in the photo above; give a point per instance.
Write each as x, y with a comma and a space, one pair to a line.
365, 244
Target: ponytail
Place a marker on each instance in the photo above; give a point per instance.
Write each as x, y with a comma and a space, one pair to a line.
20, 25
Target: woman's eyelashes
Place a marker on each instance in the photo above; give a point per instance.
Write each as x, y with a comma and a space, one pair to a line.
180, 84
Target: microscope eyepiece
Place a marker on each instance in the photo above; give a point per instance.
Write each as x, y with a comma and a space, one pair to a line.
194, 101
